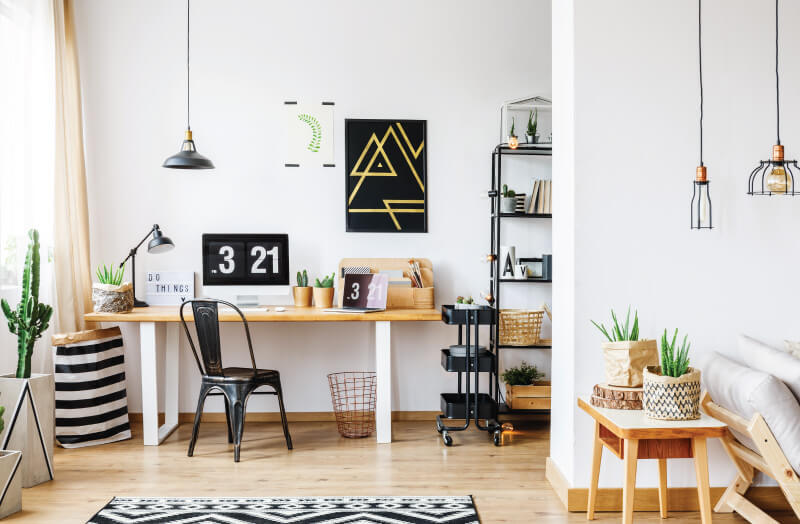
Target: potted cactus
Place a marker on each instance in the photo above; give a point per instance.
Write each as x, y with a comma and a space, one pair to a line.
533, 122
109, 293
672, 390
508, 202
11, 498
31, 429
302, 291
625, 355
323, 292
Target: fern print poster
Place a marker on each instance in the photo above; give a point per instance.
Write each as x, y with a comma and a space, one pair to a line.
309, 134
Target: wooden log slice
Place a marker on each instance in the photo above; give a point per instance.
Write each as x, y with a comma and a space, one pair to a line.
616, 397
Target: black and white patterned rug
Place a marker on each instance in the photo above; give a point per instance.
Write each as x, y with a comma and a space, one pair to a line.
295, 510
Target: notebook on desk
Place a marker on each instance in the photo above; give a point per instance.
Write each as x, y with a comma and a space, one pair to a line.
363, 293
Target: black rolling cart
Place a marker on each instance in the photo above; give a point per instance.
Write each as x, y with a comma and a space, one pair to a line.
469, 359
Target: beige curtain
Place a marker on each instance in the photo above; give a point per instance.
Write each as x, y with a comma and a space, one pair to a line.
72, 266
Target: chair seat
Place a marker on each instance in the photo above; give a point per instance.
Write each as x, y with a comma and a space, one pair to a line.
243, 375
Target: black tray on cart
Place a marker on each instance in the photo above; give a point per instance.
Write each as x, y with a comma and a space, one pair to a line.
453, 406
459, 364
485, 314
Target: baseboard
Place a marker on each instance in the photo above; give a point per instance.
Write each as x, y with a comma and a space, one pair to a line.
768, 498
295, 416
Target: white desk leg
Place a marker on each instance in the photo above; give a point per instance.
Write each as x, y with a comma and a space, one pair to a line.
383, 369
172, 378
147, 335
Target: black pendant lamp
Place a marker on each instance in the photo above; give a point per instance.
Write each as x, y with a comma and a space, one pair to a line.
701, 198
188, 157
774, 176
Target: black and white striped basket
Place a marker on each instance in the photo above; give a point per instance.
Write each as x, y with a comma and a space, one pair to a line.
671, 398
91, 400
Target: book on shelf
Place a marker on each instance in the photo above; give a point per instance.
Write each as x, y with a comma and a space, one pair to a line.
541, 201
534, 197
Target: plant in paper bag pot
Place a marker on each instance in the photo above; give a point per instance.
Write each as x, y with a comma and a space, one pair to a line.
109, 293
30, 428
672, 390
625, 355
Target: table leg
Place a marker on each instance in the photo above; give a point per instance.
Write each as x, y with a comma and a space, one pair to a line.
662, 487
700, 453
171, 381
383, 369
631, 458
597, 455
147, 335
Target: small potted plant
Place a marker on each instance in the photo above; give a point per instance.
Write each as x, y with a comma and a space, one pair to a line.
302, 291
513, 141
672, 390
466, 303
625, 355
533, 122
323, 292
109, 293
508, 203
525, 389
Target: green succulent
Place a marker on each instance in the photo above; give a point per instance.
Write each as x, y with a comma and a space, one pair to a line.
326, 281
621, 332
674, 359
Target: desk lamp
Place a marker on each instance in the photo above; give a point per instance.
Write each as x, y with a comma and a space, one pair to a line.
158, 244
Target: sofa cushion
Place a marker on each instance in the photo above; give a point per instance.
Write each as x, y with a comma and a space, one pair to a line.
792, 347
770, 360
747, 391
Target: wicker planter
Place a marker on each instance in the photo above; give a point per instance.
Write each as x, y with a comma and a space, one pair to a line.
625, 361
302, 296
671, 398
520, 327
108, 298
323, 297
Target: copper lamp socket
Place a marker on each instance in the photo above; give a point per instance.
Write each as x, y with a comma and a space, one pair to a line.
701, 174
188, 135
777, 153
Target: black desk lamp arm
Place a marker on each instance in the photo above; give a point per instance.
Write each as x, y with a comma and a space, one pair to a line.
132, 252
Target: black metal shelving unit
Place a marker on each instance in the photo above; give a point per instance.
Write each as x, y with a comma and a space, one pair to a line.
501, 150
469, 403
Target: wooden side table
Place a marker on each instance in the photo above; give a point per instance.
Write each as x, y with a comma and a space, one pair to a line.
630, 435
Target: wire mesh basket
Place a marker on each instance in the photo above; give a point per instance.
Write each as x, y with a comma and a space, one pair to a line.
353, 397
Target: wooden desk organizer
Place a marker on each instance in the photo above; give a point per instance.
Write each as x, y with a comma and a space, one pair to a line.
399, 297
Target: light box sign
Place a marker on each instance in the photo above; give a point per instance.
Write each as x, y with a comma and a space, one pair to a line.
169, 288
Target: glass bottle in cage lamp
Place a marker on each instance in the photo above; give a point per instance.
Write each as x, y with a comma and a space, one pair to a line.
778, 181
701, 200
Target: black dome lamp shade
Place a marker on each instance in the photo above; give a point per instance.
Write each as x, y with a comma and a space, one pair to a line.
188, 157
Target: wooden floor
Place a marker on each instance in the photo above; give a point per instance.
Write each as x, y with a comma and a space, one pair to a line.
508, 483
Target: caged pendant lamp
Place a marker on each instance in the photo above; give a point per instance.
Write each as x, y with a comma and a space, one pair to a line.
188, 157
774, 176
701, 199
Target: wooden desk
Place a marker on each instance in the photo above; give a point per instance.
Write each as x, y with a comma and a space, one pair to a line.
152, 318
630, 435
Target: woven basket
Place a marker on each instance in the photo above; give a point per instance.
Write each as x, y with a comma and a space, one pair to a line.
671, 398
520, 327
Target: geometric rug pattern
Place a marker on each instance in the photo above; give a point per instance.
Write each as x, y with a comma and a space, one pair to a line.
294, 510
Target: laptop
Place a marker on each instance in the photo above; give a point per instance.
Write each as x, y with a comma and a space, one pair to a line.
363, 294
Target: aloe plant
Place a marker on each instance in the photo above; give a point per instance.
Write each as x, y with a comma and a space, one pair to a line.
326, 281
108, 275
621, 332
30, 318
302, 279
512, 133
674, 363
533, 122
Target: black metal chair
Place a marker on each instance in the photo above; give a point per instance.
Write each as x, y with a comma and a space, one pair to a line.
235, 384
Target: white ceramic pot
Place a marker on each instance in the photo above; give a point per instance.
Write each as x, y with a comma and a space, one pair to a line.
508, 204
29, 424
10, 483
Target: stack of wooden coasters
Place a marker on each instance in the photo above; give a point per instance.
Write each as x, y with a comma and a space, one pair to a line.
617, 397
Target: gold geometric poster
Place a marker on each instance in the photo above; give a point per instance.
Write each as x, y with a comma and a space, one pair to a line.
386, 179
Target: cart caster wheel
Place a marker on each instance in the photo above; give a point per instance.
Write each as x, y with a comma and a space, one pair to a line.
439, 430
498, 438
447, 439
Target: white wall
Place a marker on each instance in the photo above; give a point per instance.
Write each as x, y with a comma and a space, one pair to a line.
635, 151
450, 62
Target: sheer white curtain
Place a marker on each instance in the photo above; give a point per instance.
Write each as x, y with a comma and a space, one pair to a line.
27, 130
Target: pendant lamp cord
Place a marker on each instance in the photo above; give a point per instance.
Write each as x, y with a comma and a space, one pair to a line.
700, 62
777, 80
188, 127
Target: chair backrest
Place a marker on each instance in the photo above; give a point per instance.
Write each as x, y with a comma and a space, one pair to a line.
206, 322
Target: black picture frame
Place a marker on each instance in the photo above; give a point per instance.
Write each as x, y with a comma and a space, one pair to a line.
245, 278
405, 150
